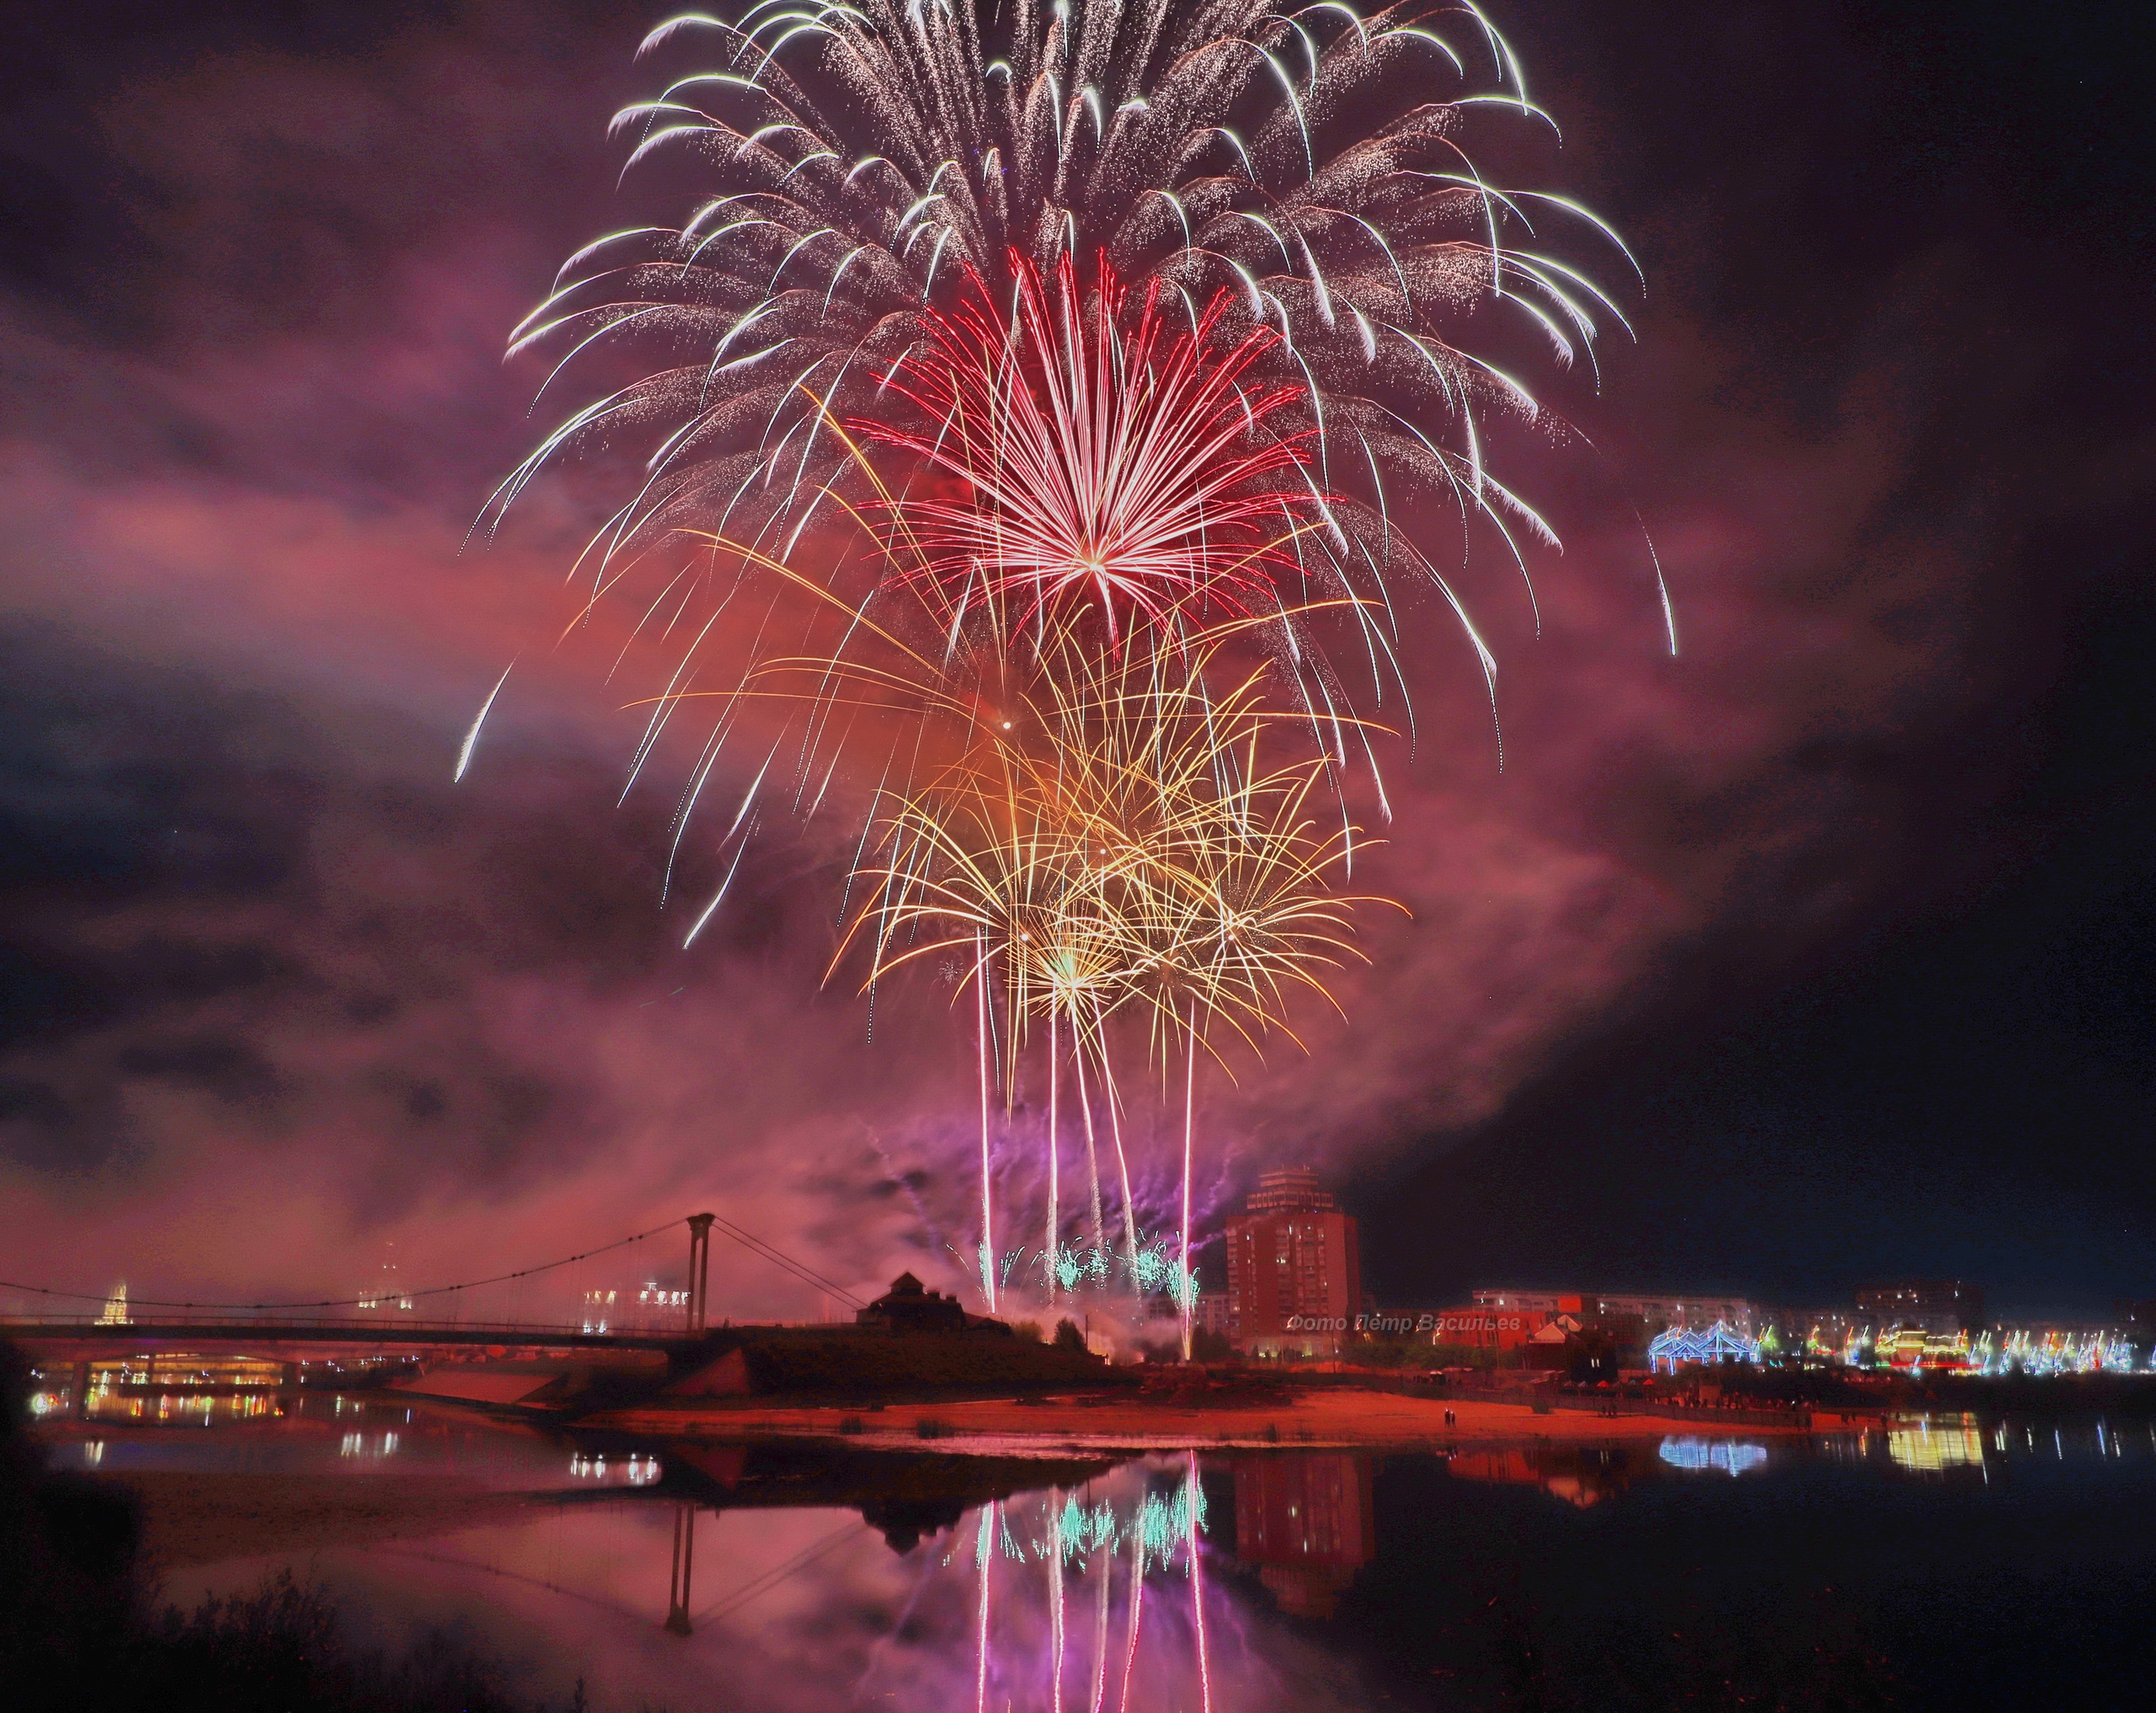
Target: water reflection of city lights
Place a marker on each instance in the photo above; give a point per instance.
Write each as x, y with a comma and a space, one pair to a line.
1930, 1447
1580, 1475
636, 1471
1690, 1452
368, 1445
171, 1410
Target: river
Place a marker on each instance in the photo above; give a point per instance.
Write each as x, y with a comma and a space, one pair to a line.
1944, 1562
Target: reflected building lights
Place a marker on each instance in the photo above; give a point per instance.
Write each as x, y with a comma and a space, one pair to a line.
1693, 1453
638, 1470
1581, 1476
1929, 1448
1096, 1595
1308, 1524
168, 1409
169, 1388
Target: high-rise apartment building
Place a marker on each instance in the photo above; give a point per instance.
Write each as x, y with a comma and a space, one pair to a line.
1294, 1269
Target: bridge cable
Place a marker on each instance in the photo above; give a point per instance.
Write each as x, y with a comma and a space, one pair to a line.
748, 1240
345, 1302
735, 1599
800, 1270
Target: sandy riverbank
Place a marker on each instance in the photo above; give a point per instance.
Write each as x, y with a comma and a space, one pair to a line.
1329, 1417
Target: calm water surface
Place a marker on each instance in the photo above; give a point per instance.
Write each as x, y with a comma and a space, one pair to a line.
1943, 1564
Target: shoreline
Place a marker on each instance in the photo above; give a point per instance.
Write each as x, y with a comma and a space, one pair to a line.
1332, 1419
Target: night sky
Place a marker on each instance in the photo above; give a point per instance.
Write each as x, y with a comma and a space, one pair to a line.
1821, 952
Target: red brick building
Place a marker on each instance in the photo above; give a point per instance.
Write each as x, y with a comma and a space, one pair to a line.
1477, 1327
1294, 1269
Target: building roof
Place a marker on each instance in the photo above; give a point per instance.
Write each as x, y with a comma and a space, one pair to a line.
1289, 1189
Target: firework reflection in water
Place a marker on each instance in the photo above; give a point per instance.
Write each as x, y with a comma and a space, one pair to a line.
1095, 1598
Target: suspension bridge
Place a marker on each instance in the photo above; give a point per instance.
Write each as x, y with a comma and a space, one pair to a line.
400, 1323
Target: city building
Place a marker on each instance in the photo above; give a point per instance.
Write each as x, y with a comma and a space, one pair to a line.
1209, 1313
1523, 1302
1936, 1305
385, 1295
1659, 1310
649, 1308
115, 1307
909, 1306
1488, 1327
657, 1306
1294, 1269
1550, 1344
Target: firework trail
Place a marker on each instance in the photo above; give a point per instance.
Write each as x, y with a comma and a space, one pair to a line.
1029, 403
1125, 848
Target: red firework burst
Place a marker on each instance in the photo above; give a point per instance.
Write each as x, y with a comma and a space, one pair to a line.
1105, 459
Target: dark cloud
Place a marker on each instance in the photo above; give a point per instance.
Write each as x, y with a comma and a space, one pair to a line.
230, 1070
37, 1127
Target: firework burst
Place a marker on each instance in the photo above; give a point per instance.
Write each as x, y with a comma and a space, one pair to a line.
1101, 461
1277, 172
1029, 404
1125, 844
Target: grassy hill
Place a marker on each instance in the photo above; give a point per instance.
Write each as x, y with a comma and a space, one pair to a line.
843, 1366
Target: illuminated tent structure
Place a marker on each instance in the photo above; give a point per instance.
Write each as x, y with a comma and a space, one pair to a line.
1681, 1344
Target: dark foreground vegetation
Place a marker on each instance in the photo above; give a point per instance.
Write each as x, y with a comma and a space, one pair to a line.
79, 1630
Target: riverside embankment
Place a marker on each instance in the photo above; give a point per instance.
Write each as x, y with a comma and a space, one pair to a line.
1333, 1417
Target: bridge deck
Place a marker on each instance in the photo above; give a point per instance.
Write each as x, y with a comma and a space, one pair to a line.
170, 1330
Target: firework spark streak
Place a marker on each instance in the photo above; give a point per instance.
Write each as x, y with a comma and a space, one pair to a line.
1100, 455
1124, 846
1029, 403
1278, 172
1123, 843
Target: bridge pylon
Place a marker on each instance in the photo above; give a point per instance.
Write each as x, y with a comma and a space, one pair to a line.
684, 1549
699, 1269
